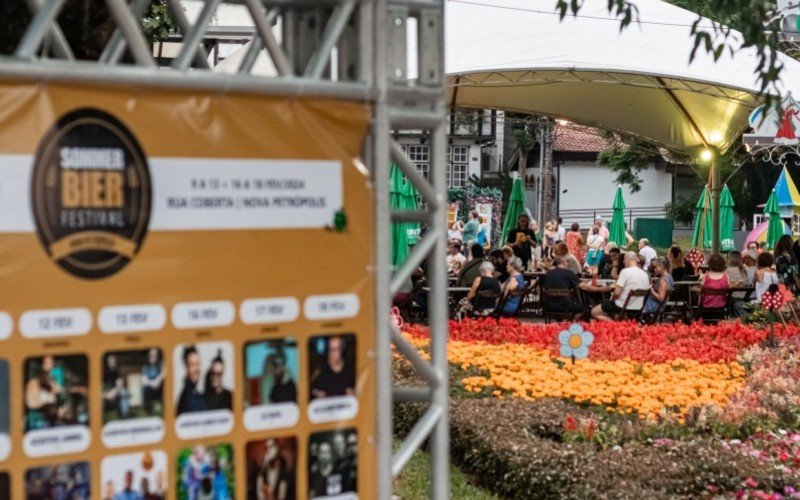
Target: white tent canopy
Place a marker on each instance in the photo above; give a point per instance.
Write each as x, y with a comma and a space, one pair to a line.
517, 55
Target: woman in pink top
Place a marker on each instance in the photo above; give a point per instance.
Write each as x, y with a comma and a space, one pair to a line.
715, 279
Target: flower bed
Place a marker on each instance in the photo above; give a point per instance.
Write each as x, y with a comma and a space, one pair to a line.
620, 340
654, 411
654, 371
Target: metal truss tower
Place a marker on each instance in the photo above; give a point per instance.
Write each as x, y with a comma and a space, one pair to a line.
346, 49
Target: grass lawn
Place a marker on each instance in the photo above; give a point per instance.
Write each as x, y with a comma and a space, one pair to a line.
413, 482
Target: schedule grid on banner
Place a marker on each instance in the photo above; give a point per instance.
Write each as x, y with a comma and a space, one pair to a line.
188, 309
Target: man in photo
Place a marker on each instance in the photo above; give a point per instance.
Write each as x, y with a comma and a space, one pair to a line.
191, 398
128, 493
152, 381
115, 393
335, 378
217, 397
325, 480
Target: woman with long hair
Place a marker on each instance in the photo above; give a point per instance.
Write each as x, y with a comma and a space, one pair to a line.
785, 263
735, 270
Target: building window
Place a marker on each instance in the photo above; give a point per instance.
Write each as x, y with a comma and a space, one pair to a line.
457, 167
459, 154
419, 155
460, 175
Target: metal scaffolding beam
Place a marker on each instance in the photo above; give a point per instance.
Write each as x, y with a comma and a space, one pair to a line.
315, 56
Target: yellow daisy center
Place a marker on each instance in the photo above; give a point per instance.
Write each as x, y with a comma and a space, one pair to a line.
575, 341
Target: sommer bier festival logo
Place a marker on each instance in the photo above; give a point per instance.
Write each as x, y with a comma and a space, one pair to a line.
91, 194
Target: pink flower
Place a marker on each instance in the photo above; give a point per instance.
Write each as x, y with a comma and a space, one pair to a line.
750, 482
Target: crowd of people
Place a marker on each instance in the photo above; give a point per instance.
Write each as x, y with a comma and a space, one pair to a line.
603, 279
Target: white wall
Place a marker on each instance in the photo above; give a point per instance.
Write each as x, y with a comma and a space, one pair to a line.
590, 186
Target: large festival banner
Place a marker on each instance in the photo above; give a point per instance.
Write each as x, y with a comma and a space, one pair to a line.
187, 295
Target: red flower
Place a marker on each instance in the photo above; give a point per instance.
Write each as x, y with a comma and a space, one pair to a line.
570, 424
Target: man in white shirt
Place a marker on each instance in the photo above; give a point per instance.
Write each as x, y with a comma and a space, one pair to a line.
646, 251
631, 278
454, 259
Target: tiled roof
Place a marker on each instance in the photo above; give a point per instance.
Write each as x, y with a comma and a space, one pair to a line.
572, 138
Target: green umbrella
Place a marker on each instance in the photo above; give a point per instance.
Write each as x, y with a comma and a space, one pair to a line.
616, 232
701, 238
399, 230
726, 220
775, 228
409, 196
516, 207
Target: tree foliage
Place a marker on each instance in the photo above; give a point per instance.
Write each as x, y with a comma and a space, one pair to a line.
627, 157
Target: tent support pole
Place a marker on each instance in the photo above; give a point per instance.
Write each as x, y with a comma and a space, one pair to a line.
715, 194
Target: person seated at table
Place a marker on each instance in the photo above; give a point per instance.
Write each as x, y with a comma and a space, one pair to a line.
486, 282
610, 263
750, 268
632, 277
470, 270
454, 259
737, 273
752, 250
561, 278
714, 279
499, 261
522, 239
785, 263
661, 288
677, 263
516, 281
561, 250
618, 267
765, 275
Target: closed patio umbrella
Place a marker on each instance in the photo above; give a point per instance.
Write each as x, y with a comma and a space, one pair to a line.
399, 229
516, 207
726, 220
616, 232
701, 237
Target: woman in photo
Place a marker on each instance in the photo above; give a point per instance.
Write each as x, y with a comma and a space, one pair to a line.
274, 481
276, 381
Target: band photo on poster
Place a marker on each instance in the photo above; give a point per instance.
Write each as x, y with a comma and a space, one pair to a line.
271, 374
56, 405
133, 397
332, 378
206, 473
272, 469
5, 400
69, 481
135, 476
333, 464
203, 385
5, 485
